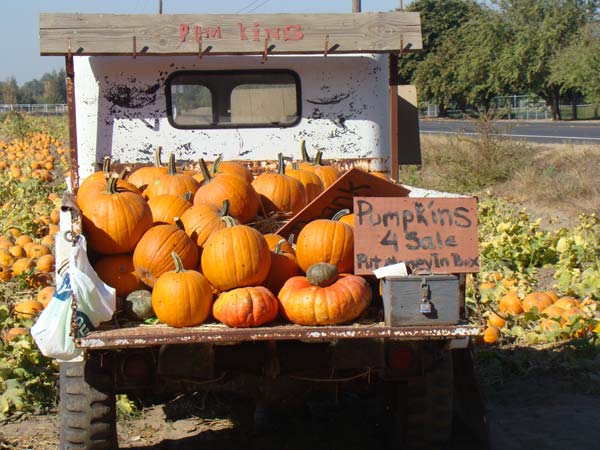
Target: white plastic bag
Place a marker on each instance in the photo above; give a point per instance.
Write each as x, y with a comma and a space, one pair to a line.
95, 302
52, 331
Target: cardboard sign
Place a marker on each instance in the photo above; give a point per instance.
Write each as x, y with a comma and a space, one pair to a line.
434, 234
339, 196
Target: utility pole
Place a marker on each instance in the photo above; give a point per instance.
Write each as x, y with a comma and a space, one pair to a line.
355, 5
160, 6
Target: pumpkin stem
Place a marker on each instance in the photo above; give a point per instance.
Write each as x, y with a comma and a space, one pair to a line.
291, 240
158, 156
318, 159
172, 167
106, 164
224, 211
229, 221
295, 165
280, 164
215, 167
341, 213
305, 157
205, 172
111, 184
187, 196
178, 264
178, 223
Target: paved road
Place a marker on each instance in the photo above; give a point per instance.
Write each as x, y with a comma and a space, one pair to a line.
538, 131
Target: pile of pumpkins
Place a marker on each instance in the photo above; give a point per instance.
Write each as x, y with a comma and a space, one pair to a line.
182, 241
557, 313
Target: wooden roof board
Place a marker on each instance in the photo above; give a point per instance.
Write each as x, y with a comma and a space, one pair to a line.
113, 34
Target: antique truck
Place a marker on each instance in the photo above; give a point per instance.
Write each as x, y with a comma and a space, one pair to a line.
247, 87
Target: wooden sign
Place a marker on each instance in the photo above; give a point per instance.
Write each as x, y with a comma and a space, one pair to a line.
340, 195
124, 34
435, 234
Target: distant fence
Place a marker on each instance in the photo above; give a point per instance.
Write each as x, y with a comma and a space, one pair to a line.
520, 107
35, 108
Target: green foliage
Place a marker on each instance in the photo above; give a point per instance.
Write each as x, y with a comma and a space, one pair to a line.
439, 19
15, 125
576, 66
27, 378
578, 267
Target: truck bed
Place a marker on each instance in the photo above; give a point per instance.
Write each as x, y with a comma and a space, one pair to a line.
141, 335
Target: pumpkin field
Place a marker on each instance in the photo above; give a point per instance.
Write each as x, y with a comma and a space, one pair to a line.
536, 296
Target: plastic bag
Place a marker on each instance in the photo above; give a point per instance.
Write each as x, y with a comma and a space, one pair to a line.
96, 300
95, 303
52, 331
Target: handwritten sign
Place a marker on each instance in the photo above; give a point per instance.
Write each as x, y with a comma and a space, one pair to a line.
340, 195
435, 234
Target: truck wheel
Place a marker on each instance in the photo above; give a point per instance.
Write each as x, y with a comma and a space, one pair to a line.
87, 407
429, 399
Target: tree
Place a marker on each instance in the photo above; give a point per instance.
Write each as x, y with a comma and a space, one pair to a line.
31, 92
438, 18
463, 69
540, 30
9, 90
55, 90
577, 67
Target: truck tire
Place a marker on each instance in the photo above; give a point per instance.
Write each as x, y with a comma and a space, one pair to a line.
429, 404
87, 407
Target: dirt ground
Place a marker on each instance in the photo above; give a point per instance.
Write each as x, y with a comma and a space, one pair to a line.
552, 411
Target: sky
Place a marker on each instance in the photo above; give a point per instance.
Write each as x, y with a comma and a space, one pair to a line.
19, 43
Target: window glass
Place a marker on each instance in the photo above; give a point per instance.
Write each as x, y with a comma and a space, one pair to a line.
233, 99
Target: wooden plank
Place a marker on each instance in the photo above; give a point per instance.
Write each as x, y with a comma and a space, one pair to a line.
113, 34
435, 234
340, 195
409, 138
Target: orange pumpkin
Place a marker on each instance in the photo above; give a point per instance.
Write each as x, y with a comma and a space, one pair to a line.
246, 307
283, 267
234, 168
114, 221
279, 192
13, 332
172, 183
166, 207
339, 299
28, 308
538, 300
310, 180
45, 263
510, 303
327, 174
96, 183
345, 216
325, 240
243, 199
45, 295
6, 273
182, 298
22, 265
236, 256
491, 335
144, 176
152, 255
200, 221
118, 271
273, 239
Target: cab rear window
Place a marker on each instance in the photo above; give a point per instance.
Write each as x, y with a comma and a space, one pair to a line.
233, 99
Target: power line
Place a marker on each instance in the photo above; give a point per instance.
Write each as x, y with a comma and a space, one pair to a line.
249, 5
259, 5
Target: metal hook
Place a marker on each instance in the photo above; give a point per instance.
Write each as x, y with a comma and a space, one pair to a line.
134, 47
198, 33
69, 54
401, 45
326, 45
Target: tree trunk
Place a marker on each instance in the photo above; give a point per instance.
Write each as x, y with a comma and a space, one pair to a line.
554, 97
442, 111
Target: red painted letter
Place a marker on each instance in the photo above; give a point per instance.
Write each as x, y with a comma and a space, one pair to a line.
243, 36
184, 29
213, 33
272, 33
198, 33
256, 32
292, 33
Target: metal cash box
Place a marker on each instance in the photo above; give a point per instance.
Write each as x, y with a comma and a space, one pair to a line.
421, 299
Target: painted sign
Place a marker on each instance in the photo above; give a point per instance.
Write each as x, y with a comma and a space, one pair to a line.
435, 234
